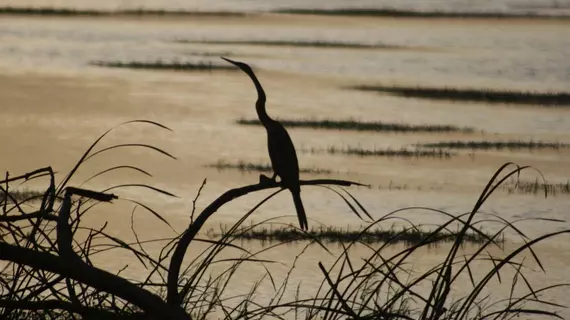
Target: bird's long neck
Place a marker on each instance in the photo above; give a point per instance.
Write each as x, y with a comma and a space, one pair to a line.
261, 113
260, 103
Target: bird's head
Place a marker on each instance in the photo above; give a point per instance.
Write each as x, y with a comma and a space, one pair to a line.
243, 66
260, 104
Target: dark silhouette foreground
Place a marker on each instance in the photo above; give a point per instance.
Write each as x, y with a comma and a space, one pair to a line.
281, 149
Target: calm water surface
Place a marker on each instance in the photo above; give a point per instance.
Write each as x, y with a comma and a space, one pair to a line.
54, 103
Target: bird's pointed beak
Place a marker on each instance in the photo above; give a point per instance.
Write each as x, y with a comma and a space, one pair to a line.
230, 61
243, 66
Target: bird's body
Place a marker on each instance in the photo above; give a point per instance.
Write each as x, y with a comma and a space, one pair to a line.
280, 146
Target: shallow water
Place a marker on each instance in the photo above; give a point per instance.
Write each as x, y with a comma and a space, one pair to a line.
54, 104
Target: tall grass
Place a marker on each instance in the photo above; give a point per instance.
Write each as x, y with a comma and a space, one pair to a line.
48, 251
356, 125
558, 99
497, 145
48, 270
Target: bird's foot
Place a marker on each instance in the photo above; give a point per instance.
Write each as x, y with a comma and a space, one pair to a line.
263, 179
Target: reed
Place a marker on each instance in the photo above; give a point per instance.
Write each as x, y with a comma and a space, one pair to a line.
390, 153
537, 187
257, 167
63, 12
298, 43
356, 125
360, 12
328, 234
557, 99
210, 54
162, 65
394, 13
497, 145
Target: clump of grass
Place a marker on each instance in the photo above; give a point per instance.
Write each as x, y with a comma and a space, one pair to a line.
163, 65
154, 12
537, 187
370, 12
559, 99
256, 167
355, 125
210, 54
497, 145
329, 234
400, 153
298, 43
52, 11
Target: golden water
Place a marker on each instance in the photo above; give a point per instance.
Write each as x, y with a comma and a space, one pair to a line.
53, 106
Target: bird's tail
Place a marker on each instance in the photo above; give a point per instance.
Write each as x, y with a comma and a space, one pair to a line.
300, 210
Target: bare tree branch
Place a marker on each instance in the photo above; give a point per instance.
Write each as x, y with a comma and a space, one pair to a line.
94, 277
173, 297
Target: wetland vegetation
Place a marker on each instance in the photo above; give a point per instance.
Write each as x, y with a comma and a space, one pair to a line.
353, 12
244, 166
556, 99
376, 152
328, 234
537, 187
297, 43
357, 125
63, 12
162, 65
496, 145
371, 12
47, 278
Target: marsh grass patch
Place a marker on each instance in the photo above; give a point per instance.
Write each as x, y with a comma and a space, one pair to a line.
356, 125
54, 11
354, 12
330, 234
388, 152
297, 43
546, 99
163, 65
497, 145
537, 187
258, 167
371, 12
210, 54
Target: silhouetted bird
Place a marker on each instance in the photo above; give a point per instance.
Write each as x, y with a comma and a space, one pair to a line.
281, 150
